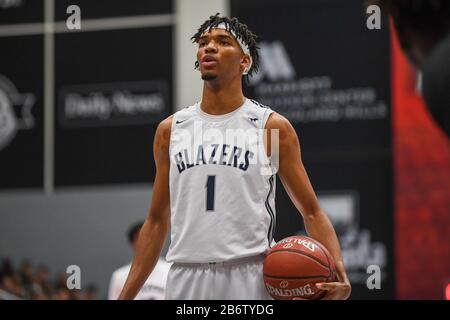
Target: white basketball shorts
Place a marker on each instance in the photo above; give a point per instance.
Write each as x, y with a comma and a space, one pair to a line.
240, 279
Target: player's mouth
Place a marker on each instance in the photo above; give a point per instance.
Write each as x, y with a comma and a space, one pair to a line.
208, 61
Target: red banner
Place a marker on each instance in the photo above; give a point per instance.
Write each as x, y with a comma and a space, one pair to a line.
422, 189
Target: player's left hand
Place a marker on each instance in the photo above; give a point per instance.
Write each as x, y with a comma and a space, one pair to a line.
335, 290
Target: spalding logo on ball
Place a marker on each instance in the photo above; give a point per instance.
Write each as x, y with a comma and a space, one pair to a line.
293, 267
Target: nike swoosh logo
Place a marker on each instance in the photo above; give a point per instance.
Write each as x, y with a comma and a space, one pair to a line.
178, 121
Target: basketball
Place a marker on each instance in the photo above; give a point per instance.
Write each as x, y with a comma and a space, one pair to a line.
293, 267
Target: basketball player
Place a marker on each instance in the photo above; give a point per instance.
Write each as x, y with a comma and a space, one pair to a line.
219, 206
155, 285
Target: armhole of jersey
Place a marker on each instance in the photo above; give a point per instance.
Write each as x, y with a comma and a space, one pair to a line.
170, 138
271, 160
266, 115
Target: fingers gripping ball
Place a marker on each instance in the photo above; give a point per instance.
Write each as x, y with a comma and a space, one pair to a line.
293, 267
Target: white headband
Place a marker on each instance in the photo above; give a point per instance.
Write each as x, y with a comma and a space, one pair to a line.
243, 46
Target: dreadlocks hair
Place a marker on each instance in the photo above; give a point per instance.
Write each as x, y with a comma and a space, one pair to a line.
239, 29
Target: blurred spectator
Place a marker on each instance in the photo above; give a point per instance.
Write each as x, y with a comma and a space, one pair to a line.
91, 292
61, 280
10, 285
62, 294
7, 268
43, 282
154, 287
26, 273
26, 283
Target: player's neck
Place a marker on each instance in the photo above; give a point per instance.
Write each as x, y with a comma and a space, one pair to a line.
221, 99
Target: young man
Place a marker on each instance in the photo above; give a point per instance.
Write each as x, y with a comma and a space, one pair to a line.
214, 195
154, 287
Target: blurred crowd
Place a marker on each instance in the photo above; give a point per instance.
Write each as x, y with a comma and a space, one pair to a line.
34, 283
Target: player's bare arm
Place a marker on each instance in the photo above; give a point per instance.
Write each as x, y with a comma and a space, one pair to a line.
156, 226
296, 183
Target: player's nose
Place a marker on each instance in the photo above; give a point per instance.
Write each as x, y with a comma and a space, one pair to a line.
211, 47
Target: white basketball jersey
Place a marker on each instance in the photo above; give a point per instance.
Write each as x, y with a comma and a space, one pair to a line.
222, 195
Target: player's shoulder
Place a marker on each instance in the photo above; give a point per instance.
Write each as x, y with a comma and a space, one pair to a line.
258, 105
185, 111
163, 131
280, 122
165, 124
255, 109
274, 119
178, 117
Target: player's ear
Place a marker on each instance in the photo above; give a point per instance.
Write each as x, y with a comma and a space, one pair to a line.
245, 64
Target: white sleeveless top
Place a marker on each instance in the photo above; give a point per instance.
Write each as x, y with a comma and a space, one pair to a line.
222, 193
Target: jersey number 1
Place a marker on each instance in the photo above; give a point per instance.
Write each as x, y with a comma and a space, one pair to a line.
210, 192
